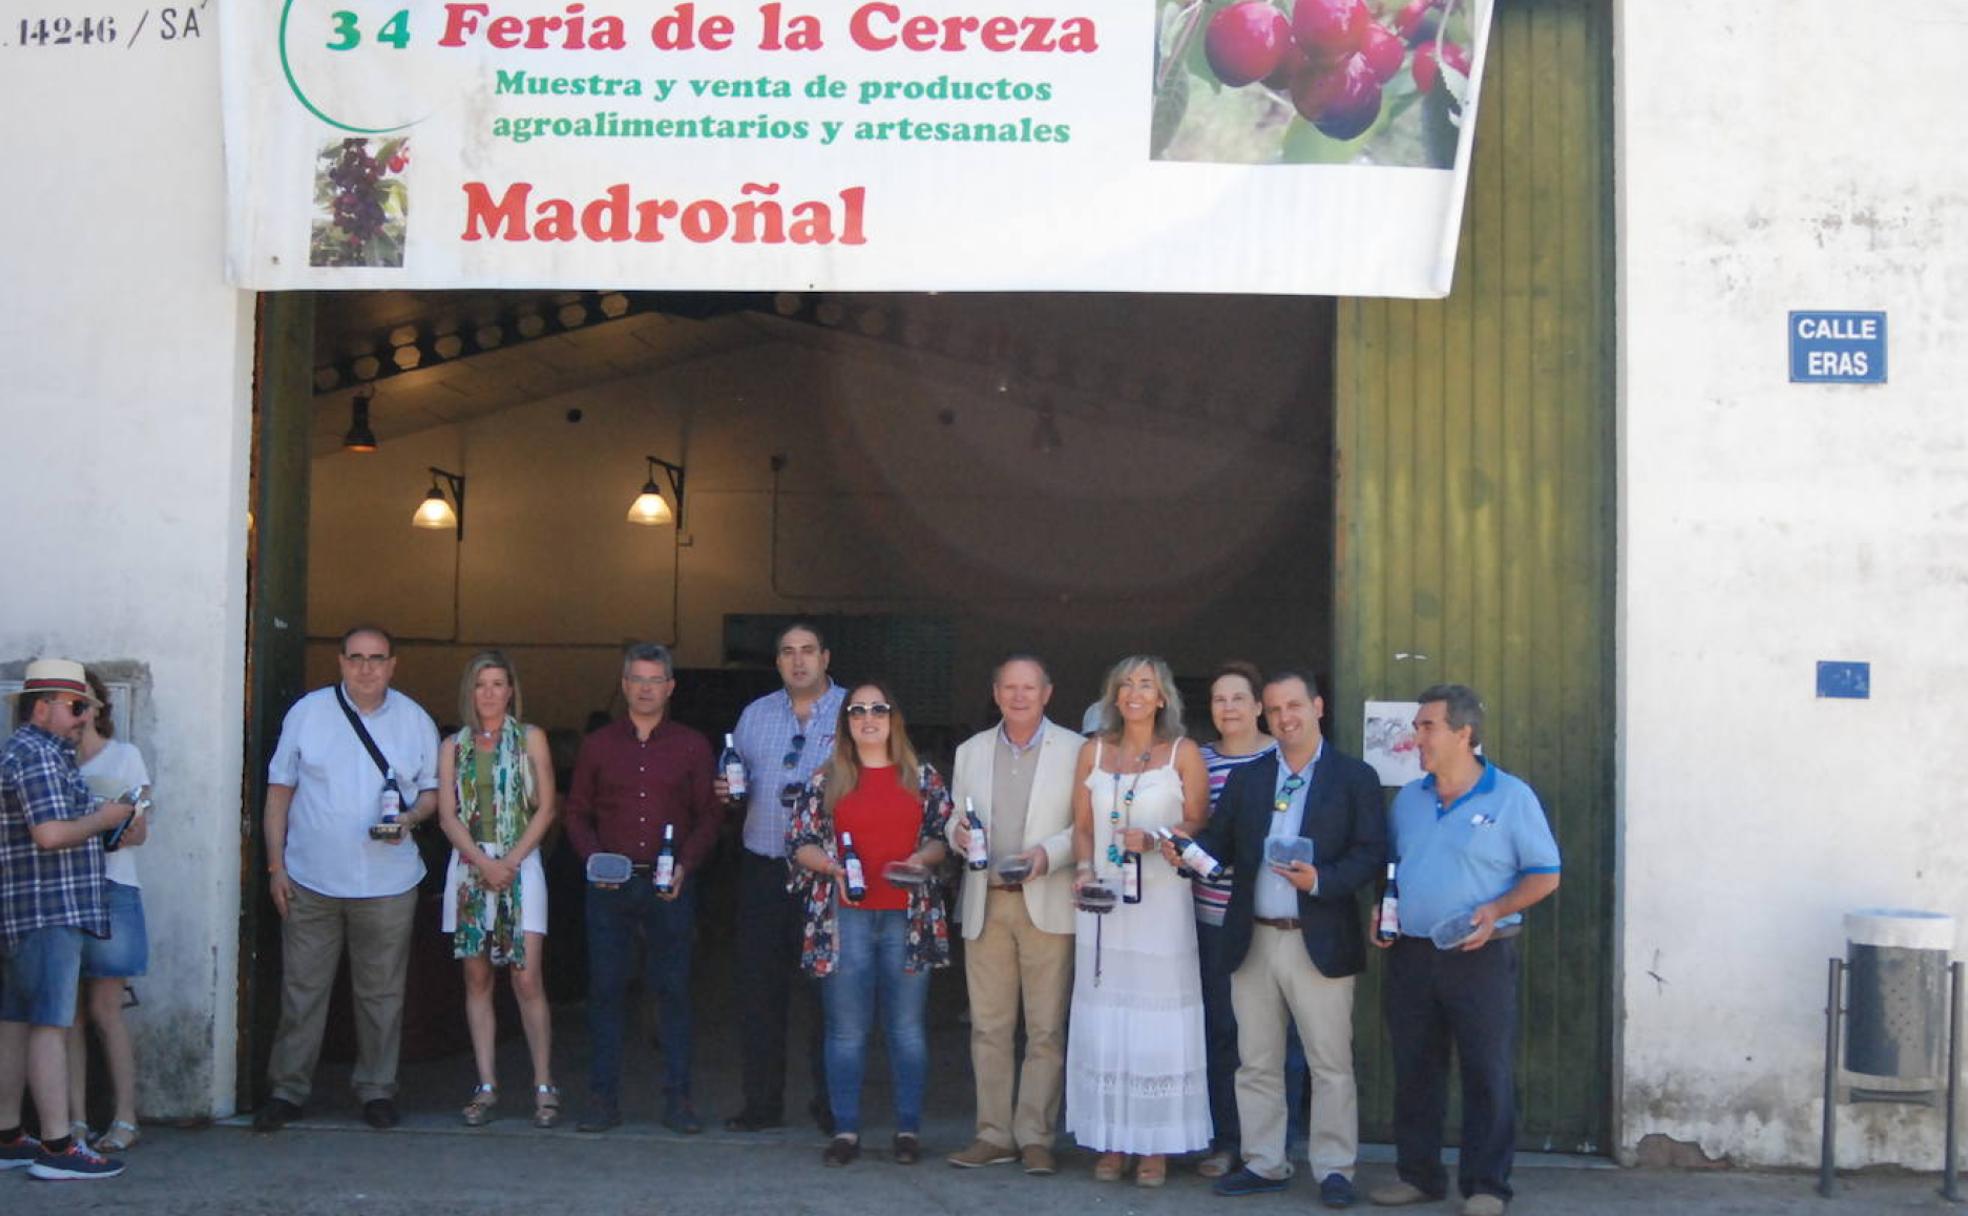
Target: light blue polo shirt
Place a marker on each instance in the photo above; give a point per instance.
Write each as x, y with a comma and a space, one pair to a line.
1452, 858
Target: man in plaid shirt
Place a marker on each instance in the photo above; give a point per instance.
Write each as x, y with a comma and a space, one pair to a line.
51, 893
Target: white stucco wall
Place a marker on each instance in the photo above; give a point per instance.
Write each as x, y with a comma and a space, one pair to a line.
124, 421
1778, 155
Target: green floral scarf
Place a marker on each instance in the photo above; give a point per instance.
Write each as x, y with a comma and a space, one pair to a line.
498, 934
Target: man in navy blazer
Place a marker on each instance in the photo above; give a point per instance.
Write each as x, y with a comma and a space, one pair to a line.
1293, 938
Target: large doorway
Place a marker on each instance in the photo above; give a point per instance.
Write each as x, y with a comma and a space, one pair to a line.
1396, 492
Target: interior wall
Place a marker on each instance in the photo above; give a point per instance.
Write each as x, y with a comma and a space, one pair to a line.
901, 493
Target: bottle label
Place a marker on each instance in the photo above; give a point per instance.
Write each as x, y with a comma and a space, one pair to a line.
392, 804
734, 776
855, 879
1199, 861
1131, 879
665, 871
1390, 917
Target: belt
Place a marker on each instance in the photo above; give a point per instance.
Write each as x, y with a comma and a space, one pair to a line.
1502, 934
1287, 923
1007, 886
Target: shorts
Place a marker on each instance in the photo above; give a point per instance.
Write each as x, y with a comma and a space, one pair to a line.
42, 972
125, 953
532, 893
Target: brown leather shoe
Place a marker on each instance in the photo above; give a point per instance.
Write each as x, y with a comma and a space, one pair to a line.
840, 1151
1038, 1159
981, 1153
907, 1149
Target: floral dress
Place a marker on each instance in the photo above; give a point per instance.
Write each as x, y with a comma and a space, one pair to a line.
929, 926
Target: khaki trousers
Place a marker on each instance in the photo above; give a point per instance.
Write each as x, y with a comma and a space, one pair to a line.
1011, 958
1277, 980
376, 933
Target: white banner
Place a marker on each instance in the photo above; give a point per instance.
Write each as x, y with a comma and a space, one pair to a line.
1297, 146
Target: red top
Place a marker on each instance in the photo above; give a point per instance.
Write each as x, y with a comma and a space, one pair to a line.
886, 820
625, 789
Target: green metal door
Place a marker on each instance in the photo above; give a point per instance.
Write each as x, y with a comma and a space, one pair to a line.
1475, 525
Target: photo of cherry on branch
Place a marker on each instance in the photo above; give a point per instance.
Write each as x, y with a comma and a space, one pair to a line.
1368, 82
361, 204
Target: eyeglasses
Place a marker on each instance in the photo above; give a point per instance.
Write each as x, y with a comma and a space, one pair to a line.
365, 660
881, 709
1292, 785
792, 758
80, 708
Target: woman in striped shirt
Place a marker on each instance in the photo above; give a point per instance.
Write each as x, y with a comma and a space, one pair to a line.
1234, 708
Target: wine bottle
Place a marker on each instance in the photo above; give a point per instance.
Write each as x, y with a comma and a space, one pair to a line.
857, 881
389, 805
978, 853
1130, 877
666, 861
1389, 927
733, 766
1196, 862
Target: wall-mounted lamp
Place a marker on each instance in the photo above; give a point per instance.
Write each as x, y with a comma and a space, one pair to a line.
649, 509
435, 511
360, 438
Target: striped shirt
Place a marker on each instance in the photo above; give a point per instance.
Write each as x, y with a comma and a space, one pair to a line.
39, 888
1213, 894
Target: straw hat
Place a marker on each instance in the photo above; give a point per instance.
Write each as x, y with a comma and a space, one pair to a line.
56, 675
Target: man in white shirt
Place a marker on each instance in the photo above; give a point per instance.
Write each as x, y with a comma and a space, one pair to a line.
1018, 935
335, 883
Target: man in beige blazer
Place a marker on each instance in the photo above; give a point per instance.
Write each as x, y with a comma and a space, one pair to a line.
1018, 937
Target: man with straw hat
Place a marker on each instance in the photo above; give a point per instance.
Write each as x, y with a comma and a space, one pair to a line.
51, 893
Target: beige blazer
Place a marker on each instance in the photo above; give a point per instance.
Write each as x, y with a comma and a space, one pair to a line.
1048, 822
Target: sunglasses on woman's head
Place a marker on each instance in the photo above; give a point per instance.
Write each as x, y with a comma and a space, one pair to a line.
881, 709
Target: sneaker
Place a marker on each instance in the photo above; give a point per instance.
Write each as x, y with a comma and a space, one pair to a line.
908, 1149
79, 1162
1245, 1182
1336, 1191
19, 1153
1400, 1194
1483, 1205
981, 1153
276, 1114
1038, 1159
840, 1151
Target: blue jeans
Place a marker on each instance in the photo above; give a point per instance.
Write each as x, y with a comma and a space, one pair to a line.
668, 929
872, 947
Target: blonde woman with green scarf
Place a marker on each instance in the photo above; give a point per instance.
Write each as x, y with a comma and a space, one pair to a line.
495, 799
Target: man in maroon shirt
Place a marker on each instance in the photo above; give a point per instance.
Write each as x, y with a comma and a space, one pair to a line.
635, 779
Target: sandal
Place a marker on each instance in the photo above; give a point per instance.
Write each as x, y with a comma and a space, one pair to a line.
120, 1137
546, 1105
478, 1111
1109, 1167
1152, 1171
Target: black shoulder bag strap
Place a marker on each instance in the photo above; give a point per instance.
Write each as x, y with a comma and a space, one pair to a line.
362, 733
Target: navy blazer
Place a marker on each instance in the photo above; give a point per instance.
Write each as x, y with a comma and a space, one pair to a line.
1346, 819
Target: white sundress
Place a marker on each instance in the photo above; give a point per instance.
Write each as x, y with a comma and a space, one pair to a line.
1136, 1076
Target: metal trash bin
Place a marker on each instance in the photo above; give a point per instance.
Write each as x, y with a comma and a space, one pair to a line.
1896, 993
1894, 1008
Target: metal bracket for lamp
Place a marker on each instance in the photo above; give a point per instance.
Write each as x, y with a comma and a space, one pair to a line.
438, 512
649, 509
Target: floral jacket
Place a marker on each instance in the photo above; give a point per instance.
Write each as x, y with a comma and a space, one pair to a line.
929, 923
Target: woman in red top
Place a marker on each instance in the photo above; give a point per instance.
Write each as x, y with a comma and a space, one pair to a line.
878, 950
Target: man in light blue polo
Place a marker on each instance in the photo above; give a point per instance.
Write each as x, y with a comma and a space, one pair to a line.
1470, 841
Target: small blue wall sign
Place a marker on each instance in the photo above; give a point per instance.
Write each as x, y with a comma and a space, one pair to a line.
1845, 681
1838, 348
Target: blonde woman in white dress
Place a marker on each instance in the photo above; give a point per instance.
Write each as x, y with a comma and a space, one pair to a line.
1136, 1072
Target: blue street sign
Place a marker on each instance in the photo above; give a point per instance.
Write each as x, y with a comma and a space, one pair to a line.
1845, 681
1838, 348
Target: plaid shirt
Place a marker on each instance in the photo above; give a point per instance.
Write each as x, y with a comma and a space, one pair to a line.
778, 768
39, 888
